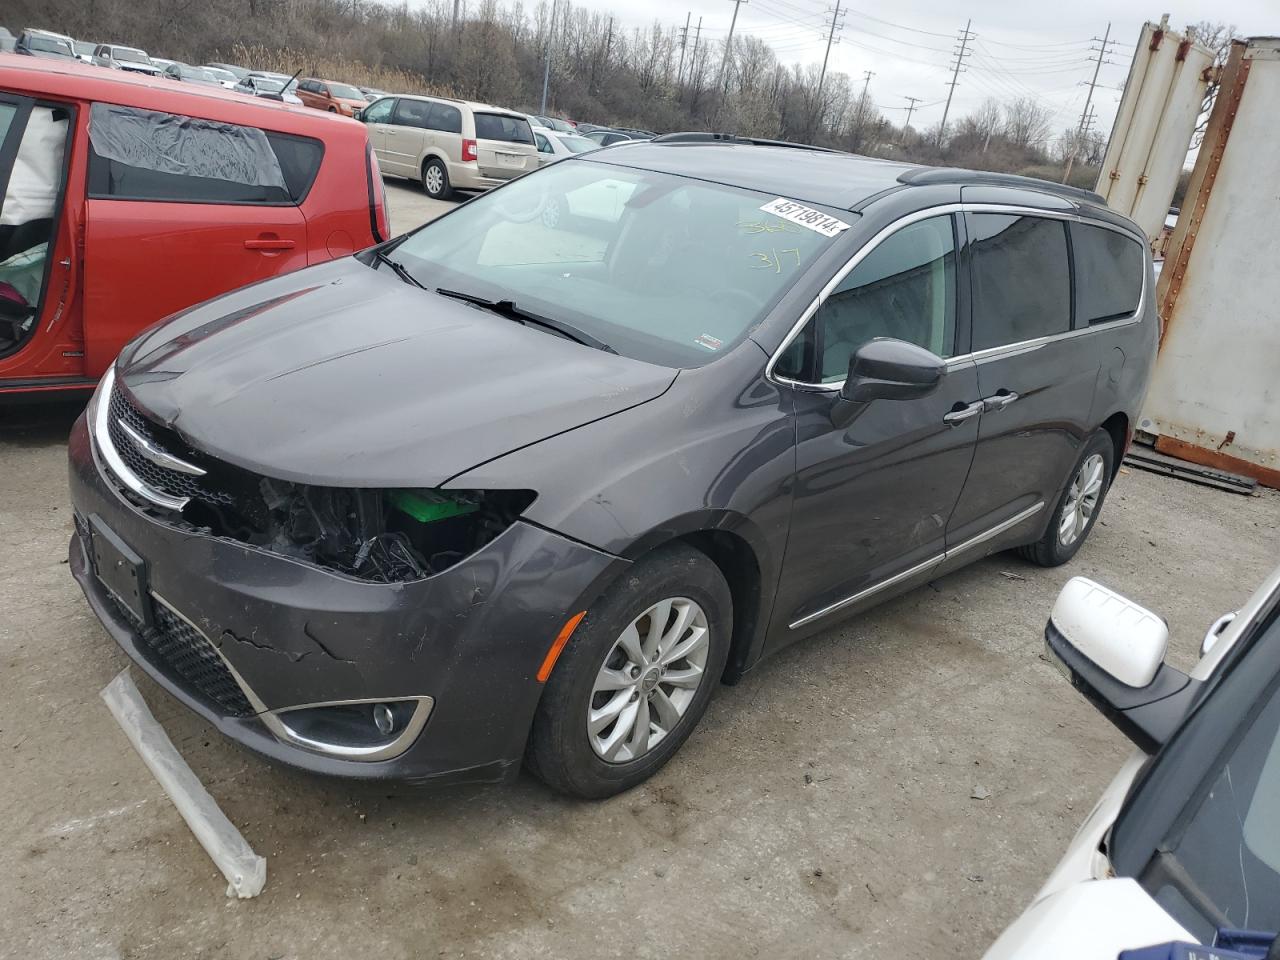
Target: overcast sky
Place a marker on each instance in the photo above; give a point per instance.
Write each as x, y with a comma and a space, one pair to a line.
1032, 48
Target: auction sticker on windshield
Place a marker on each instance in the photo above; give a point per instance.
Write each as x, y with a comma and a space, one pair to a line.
798, 213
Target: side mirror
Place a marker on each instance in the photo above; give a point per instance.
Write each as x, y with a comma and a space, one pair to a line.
885, 369
358, 114
1112, 650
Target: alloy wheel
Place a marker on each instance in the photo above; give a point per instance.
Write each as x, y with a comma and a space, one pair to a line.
648, 680
1082, 499
433, 179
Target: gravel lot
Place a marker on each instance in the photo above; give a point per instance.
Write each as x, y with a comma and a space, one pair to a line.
822, 810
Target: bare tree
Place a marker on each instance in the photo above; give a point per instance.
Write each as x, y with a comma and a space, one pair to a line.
1217, 37
1026, 122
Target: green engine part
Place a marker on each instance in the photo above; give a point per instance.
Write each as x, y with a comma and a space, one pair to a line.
428, 507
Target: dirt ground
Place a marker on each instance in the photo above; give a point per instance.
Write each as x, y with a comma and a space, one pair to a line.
822, 809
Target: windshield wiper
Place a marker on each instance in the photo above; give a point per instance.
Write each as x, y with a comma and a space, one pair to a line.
398, 268
508, 309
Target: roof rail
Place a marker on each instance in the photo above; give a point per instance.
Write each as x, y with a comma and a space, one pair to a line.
927, 175
699, 136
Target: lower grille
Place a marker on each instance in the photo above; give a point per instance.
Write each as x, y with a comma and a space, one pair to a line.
190, 654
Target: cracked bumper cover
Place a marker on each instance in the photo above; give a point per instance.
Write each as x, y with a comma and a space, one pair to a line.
471, 638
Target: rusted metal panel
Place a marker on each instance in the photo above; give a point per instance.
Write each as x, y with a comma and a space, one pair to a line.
1153, 126
1215, 393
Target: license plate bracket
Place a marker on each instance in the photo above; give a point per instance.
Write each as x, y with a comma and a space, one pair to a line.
120, 570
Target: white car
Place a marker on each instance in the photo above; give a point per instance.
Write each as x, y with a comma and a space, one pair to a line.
553, 145
224, 77
1185, 842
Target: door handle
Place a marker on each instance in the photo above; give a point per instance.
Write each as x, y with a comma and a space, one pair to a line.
262, 243
956, 417
998, 402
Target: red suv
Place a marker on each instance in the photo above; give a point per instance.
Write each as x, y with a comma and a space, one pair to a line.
122, 202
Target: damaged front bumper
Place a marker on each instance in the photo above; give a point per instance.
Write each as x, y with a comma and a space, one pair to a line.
271, 649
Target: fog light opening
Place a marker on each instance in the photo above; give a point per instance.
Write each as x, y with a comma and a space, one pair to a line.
384, 719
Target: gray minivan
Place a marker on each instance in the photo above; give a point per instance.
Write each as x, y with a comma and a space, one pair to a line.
449, 145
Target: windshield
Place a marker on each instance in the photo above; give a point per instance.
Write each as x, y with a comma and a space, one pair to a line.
224, 76
129, 55
344, 92
50, 45
263, 85
83, 48
195, 73
659, 267
577, 144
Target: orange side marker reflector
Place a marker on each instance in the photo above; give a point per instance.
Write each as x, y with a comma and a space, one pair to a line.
554, 653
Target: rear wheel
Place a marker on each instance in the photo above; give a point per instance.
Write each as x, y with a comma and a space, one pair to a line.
636, 676
435, 180
1078, 508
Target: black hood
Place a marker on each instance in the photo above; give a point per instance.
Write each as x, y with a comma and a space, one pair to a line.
341, 375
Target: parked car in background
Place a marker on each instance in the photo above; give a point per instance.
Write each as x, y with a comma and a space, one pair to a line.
585, 128
84, 50
605, 137
331, 96
553, 145
1183, 844
188, 74
238, 72
372, 93
449, 145
265, 82
530, 487
223, 76
7, 41
561, 126
118, 57
164, 64
270, 88
42, 43
103, 232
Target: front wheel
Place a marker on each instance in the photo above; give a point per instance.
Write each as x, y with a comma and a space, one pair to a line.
1077, 509
636, 676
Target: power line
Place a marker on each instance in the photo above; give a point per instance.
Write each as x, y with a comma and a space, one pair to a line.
965, 36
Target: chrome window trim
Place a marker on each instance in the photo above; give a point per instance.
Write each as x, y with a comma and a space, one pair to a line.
272, 721
101, 441
977, 356
969, 544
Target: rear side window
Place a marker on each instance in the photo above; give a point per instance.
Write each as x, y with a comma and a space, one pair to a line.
146, 155
1021, 279
413, 113
496, 126
1109, 270
445, 118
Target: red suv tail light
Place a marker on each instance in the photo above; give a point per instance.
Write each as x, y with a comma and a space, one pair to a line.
469, 150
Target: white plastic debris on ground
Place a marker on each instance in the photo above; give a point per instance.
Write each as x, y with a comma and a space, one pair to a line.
246, 872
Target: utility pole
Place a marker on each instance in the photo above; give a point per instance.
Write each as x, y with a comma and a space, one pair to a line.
1102, 54
684, 42
965, 36
455, 15
546, 67
910, 110
836, 22
723, 82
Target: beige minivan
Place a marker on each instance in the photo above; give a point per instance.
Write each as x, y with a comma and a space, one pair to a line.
449, 145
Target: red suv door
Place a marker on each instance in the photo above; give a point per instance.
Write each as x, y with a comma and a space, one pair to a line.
200, 208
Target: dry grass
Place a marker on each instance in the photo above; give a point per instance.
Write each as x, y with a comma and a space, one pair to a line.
259, 57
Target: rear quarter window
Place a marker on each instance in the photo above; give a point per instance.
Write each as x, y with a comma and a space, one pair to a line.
1021, 278
147, 155
496, 126
1110, 267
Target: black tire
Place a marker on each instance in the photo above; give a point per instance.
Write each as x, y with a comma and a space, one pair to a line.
1049, 550
559, 751
445, 192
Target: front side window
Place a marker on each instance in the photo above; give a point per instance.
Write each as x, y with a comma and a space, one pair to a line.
1021, 278
1110, 267
1229, 850
146, 155
544, 145
380, 110
661, 268
497, 126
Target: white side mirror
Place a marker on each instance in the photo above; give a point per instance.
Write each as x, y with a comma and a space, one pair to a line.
1119, 636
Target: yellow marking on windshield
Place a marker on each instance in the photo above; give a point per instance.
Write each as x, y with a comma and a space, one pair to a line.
761, 226
771, 259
